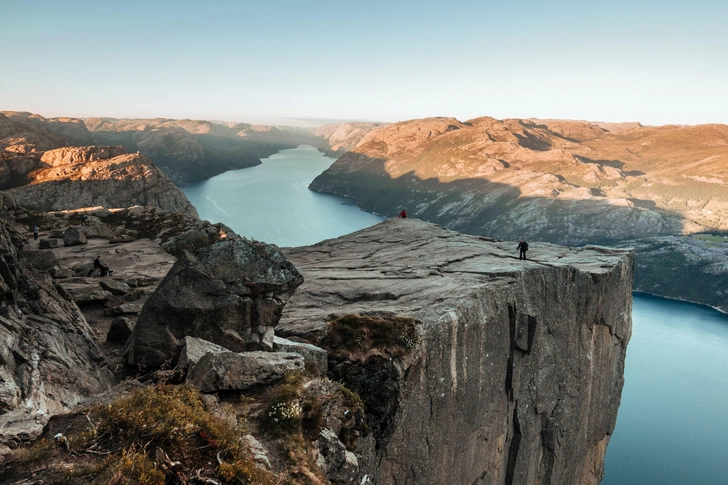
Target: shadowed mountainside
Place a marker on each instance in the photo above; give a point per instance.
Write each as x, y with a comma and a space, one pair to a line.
195, 150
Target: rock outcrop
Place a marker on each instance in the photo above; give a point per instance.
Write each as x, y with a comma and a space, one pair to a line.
72, 178
516, 374
231, 293
48, 358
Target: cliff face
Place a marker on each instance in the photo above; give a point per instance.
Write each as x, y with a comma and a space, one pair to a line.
565, 182
72, 178
517, 374
48, 357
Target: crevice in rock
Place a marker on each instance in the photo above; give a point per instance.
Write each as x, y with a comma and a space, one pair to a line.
513, 448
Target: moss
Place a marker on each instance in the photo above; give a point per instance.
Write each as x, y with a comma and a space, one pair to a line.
363, 338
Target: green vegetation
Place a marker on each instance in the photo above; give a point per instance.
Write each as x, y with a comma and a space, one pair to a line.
362, 338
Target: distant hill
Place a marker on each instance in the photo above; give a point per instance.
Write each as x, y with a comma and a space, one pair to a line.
568, 182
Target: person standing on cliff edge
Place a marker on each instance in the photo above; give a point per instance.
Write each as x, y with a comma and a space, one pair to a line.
35, 231
403, 214
523, 247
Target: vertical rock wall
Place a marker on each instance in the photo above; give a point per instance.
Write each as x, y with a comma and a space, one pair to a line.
518, 373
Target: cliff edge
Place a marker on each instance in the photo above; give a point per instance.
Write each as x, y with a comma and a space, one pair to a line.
516, 373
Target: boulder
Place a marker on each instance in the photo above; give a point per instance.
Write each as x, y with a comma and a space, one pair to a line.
231, 371
41, 260
48, 243
232, 294
115, 287
84, 290
98, 229
193, 349
120, 330
313, 356
73, 237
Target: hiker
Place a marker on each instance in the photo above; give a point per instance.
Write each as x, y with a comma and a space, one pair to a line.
403, 214
103, 269
84, 220
523, 247
35, 231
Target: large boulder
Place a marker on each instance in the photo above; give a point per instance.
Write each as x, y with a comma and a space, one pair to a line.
231, 371
73, 237
232, 294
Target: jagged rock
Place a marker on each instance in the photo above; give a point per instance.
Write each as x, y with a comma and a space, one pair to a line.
115, 287
228, 371
123, 309
193, 349
73, 237
517, 371
47, 348
231, 294
41, 260
315, 357
340, 465
120, 330
257, 450
47, 243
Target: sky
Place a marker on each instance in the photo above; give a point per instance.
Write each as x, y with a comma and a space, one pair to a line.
656, 62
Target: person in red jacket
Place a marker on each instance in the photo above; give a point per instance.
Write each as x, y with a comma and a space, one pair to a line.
403, 214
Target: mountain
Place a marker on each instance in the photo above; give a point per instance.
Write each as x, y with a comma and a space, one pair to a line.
567, 182
194, 150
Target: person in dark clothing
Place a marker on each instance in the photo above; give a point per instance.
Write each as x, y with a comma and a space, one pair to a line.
522, 247
84, 220
99, 265
403, 214
35, 231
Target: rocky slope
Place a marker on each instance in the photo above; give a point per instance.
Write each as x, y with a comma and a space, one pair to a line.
337, 139
72, 178
49, 360
566, 182
516, 374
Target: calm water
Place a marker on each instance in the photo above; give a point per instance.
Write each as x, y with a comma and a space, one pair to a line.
271, 202
672, 427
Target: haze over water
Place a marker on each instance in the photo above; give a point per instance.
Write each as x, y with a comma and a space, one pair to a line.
671, 428
271, 202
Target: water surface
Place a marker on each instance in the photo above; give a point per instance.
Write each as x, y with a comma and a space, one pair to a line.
271, 202
672, 427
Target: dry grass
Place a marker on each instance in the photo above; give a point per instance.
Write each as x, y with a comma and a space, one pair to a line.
360, 338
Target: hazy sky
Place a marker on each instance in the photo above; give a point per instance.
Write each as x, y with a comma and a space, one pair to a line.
257, 60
